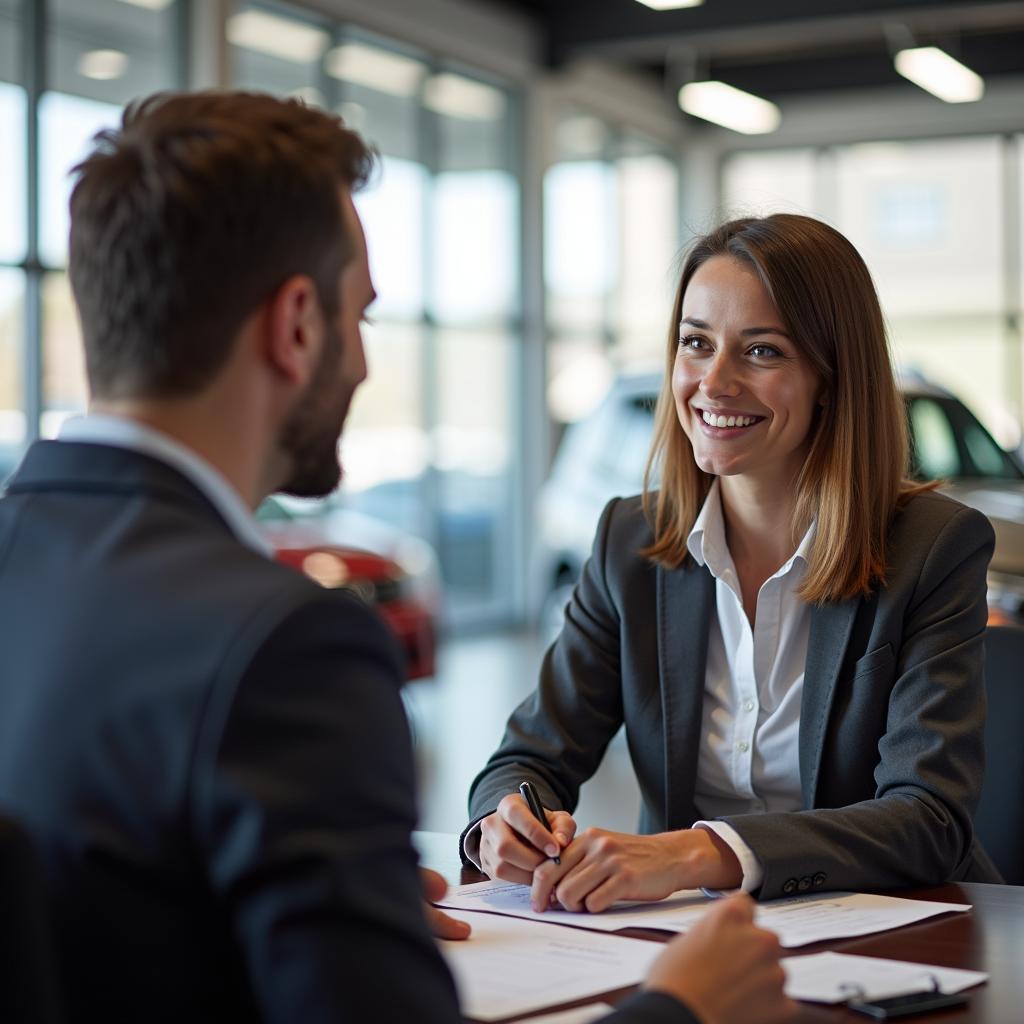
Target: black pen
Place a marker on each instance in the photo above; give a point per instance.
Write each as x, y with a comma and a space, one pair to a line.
533, 802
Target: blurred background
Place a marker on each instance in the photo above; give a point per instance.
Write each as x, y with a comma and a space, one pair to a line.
543, 166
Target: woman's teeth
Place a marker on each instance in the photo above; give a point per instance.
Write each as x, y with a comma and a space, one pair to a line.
727, 421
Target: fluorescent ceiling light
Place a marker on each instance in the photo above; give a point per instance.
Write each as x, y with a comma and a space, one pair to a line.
277, 37
375, 68
455, 96
730, 107
670, 5
103, 65
149, 5
941, 75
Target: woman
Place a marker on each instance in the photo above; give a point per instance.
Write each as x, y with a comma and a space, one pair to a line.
790, 630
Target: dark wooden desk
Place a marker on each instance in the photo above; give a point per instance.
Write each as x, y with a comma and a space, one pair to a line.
988, 938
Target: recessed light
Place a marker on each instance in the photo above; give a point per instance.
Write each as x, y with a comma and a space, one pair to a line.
455, 96
937, 72
277, 37
670, 5
375, 68
730, 107
103, 65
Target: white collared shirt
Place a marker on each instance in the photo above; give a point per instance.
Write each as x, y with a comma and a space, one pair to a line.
121, 432
753, 684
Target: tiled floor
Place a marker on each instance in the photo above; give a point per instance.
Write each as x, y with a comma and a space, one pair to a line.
458, 718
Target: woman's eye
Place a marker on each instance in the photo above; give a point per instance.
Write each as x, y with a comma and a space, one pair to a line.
693, 341
764, 351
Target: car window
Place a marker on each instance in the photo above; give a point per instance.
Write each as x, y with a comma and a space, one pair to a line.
933, 443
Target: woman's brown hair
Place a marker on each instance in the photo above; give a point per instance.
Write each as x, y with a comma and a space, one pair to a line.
854, 477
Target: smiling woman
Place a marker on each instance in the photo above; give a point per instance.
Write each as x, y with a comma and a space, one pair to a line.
789, 629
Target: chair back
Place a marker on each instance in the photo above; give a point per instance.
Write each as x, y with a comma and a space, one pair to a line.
999, 822
29, 981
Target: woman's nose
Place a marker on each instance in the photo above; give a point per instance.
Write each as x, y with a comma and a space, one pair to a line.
721, 377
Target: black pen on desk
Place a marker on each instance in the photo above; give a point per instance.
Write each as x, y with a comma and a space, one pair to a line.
533, 802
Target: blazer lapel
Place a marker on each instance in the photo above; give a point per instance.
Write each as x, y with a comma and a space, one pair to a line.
826, 646
685, 599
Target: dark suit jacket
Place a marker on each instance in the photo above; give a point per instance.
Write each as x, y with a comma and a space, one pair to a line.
891, 718
211, 755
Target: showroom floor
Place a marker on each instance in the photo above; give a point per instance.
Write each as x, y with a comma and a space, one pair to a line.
458, 718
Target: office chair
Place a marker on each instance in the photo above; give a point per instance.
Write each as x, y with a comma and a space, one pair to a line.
29, 986
999, 822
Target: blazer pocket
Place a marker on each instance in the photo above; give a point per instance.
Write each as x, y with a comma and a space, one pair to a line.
878, 660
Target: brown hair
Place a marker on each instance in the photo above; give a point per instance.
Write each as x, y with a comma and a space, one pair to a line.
189, 216
854, 476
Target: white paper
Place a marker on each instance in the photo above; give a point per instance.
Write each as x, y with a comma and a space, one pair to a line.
510, 966
578, 1015
514, 900
797, 920
828, 977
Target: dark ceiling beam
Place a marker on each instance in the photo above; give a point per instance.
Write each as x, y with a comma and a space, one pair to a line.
627, 31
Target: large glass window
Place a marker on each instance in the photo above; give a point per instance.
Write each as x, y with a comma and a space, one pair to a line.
429, 443
611, 237
68, 83
99, 55
929, 218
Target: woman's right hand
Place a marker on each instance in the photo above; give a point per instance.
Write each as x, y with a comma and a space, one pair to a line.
513, 842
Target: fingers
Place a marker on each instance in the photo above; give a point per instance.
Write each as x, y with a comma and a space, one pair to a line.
520, 819
444, 927
434, 885
513, 843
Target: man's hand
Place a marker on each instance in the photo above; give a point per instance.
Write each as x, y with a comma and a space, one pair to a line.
600, 867
441, 925
513, 842
725, 969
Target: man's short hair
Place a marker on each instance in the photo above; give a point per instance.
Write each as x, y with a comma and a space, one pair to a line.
189, 216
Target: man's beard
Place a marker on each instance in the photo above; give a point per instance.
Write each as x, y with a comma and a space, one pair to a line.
310, 434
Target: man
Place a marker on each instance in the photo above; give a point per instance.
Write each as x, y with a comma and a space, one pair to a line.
208, 749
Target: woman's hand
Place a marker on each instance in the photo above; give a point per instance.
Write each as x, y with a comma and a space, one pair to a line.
600, 867
513, 842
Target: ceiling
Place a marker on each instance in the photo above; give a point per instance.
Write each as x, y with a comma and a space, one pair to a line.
780, 49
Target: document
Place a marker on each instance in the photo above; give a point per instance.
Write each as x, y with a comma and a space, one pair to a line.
797, 920
577, 1015
510, 966
836, 977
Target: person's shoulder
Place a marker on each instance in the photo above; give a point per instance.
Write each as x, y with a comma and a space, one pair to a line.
627, 522
927, 514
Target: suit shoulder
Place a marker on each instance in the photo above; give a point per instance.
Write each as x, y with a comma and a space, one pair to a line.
626, 522
929, 514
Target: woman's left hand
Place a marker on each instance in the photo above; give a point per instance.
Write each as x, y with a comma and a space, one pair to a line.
599, 867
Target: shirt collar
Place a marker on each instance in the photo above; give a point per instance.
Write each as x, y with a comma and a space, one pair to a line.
707, 544
120, 432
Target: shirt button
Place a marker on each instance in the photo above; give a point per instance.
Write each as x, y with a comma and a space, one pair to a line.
748, 705
742, 747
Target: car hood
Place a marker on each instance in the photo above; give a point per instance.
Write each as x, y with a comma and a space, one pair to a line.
1003, 502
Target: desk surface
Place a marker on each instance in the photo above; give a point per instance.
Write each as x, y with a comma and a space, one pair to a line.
988, 938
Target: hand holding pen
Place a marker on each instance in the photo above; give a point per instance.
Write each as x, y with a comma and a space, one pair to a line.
533, 802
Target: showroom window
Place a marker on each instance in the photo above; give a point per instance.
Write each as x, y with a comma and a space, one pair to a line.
611, 241
67, 67
934, 222
430, 443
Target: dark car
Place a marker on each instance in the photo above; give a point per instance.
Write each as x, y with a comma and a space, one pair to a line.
395, 573
603, 455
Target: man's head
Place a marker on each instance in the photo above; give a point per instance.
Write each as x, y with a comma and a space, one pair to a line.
198, 212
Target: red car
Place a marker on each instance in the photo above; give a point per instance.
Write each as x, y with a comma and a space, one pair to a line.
395, 573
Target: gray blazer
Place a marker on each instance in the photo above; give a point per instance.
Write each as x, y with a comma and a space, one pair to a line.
891, 755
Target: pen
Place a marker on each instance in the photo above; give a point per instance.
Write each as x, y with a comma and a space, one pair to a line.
533, 802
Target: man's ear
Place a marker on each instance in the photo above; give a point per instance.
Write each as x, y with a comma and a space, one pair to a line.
295, 329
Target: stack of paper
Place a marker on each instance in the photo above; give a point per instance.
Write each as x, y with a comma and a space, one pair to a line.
797, 920
509, 966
